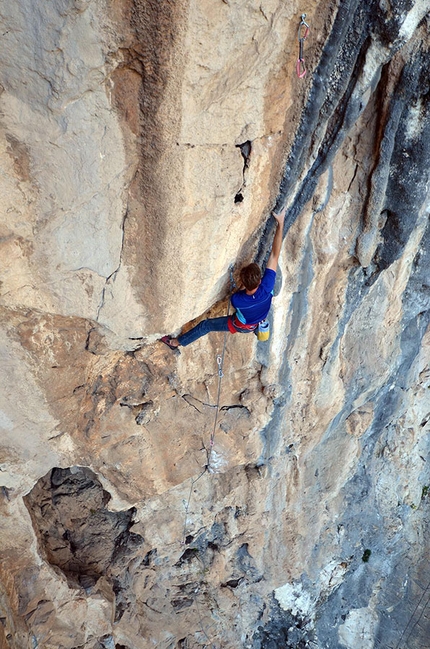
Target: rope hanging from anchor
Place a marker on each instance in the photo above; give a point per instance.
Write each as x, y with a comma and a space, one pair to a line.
302, 34
220, 363
208, 467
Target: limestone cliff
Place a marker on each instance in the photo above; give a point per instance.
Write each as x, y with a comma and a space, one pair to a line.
144, 143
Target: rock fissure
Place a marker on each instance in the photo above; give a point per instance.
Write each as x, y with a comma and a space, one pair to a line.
111, 278
245, 150
315, 487
188, 398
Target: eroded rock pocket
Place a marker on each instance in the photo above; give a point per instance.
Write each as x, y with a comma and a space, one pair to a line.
75, 530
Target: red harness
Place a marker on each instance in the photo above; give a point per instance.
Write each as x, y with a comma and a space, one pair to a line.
235, 325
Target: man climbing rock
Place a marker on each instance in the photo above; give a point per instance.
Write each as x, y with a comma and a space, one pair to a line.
252, 303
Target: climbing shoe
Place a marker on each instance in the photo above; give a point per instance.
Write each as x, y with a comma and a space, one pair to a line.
166, 340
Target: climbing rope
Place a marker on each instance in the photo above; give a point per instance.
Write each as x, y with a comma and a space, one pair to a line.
424, 594
302, 34
187, 504
220, 363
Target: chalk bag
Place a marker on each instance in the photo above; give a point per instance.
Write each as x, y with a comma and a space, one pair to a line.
263, 331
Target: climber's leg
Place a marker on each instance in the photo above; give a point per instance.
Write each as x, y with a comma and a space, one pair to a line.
203, 328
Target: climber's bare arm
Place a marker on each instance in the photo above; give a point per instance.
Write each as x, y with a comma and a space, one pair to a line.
272, 262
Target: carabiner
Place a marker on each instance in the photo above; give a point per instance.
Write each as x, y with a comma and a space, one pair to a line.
303, 29
300, 68
302, 34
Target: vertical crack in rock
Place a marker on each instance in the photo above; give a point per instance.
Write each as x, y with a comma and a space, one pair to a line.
334, 498
399, 173
329, 108
403, 579
298, 310
245, 150
340, 91
329, 113
110, 280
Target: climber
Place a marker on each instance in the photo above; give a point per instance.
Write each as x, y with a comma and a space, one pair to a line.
252, 303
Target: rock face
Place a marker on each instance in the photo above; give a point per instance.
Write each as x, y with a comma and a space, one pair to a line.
143, 146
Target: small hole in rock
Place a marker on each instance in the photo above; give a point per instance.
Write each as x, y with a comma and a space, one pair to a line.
238, 198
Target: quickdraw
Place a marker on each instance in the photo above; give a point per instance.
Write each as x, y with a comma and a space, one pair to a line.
303, 34
219, 360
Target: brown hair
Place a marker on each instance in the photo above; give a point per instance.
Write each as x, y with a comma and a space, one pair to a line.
250, 276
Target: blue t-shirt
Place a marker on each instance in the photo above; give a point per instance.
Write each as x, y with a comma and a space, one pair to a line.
251, 309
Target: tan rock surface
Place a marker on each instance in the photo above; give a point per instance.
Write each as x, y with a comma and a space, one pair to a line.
142, 147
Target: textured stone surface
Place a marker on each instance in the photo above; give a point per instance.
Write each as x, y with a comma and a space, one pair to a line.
142, 147
64, 164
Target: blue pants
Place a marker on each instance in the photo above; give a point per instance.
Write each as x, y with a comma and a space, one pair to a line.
204, 327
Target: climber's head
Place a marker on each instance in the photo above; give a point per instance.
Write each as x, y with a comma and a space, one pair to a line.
251, 276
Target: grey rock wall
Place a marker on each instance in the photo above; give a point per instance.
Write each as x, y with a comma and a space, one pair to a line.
143, 146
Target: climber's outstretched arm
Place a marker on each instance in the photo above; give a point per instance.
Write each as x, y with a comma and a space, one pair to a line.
272, 262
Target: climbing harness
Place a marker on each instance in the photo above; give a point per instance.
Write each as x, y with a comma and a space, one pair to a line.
303, 34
